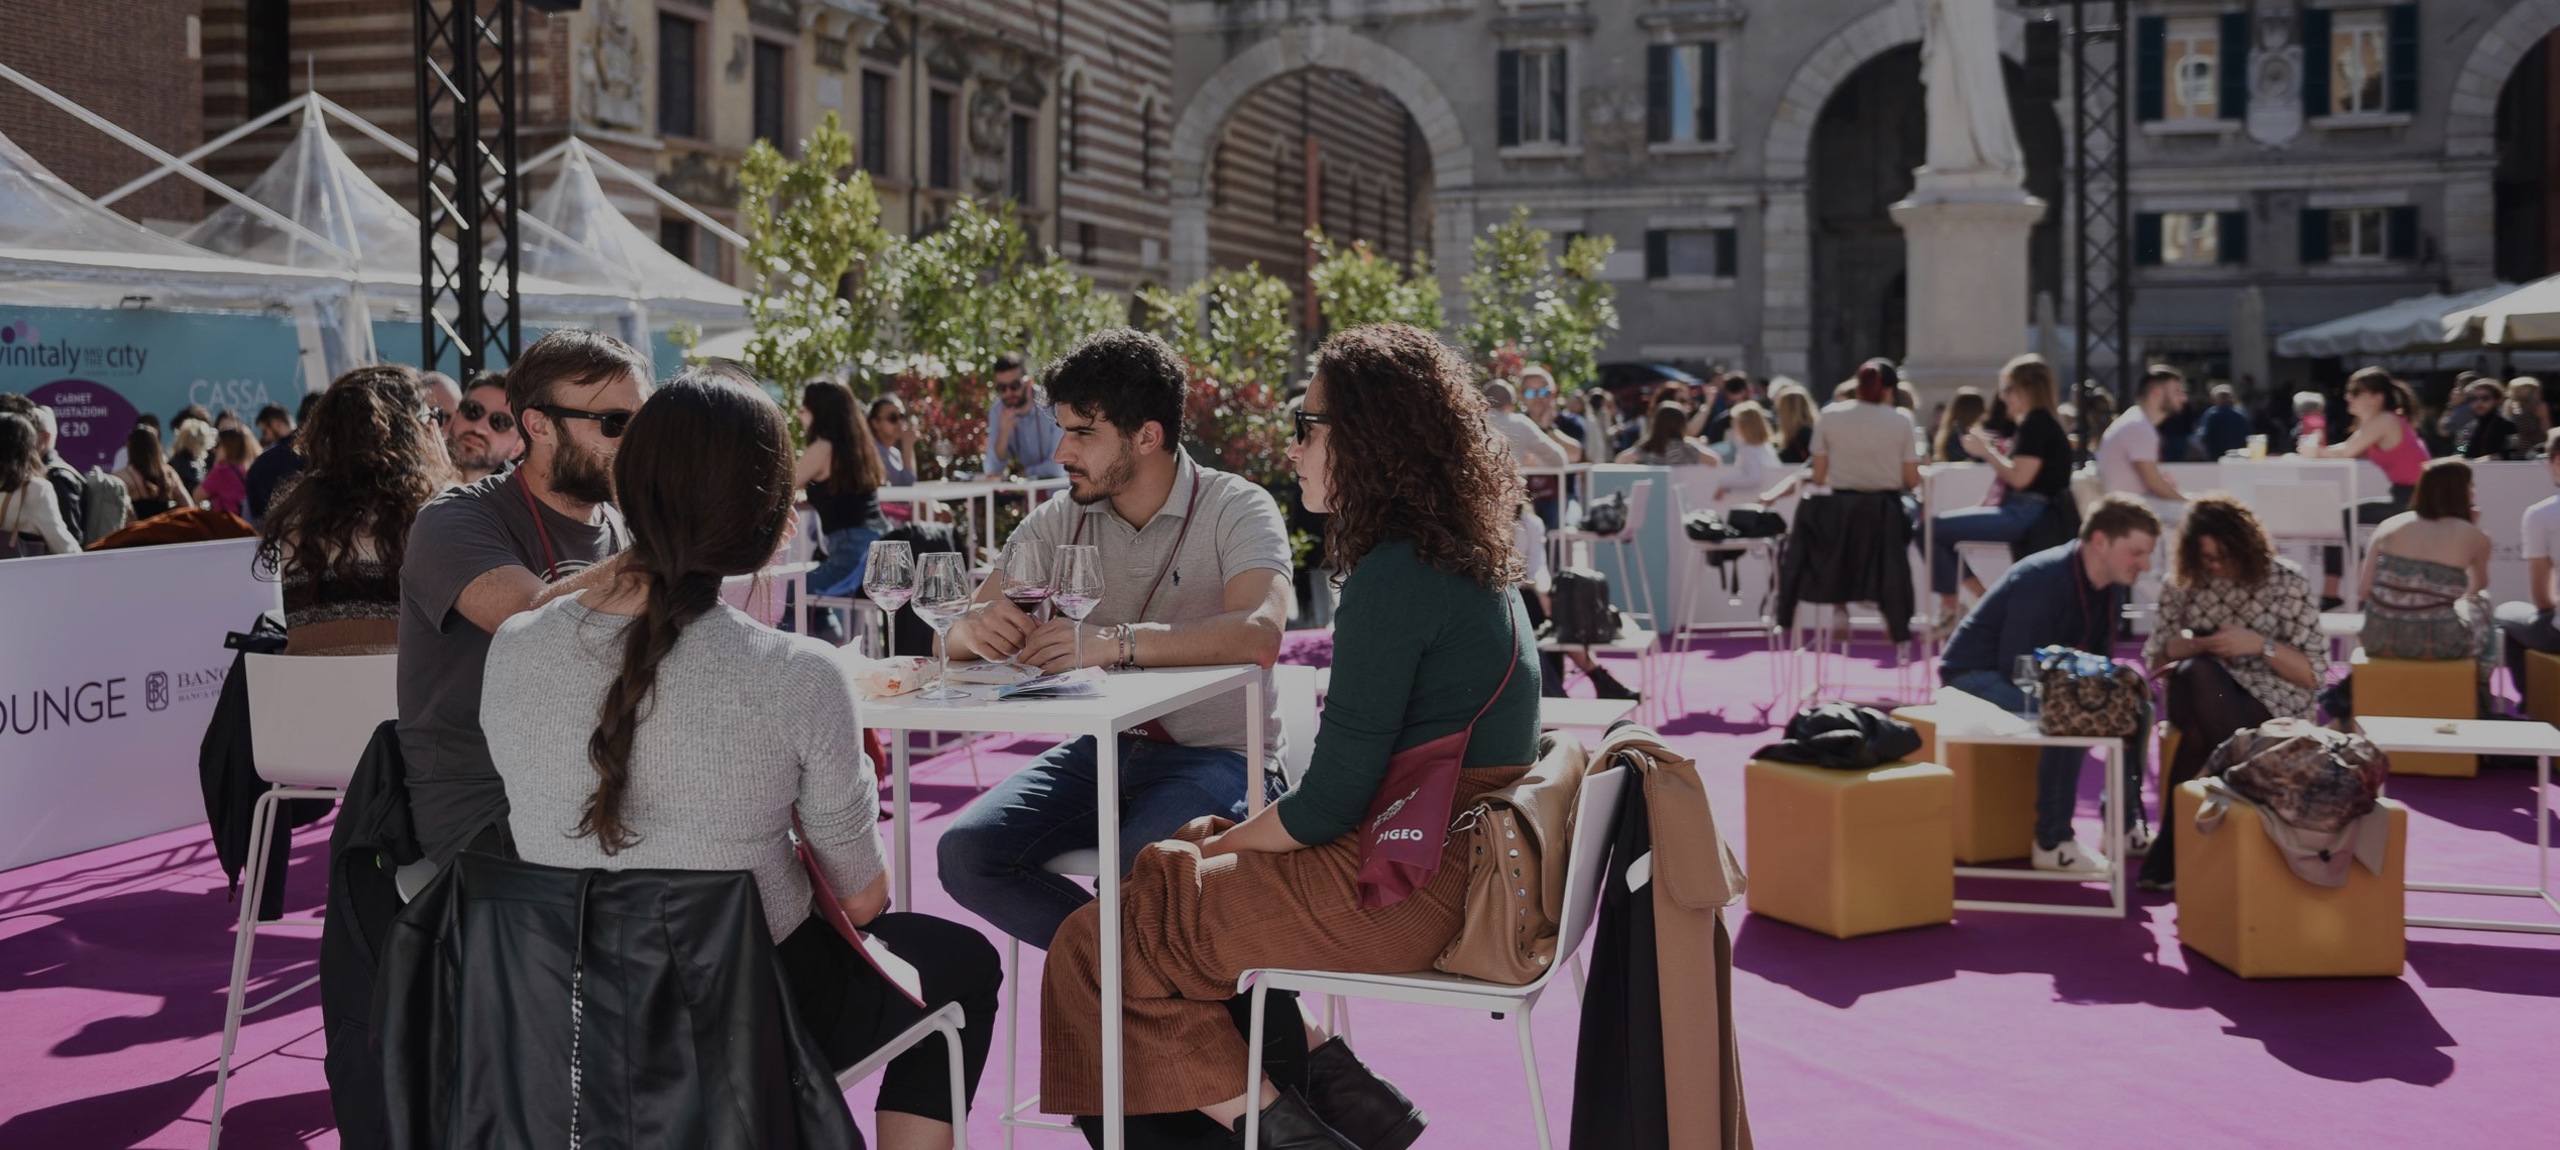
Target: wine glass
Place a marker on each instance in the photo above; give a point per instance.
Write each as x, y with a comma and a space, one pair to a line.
2023, 673
889, 578
942, 596
1075, 586
1025, 572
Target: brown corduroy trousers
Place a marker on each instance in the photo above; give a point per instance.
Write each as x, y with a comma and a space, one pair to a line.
1191, 926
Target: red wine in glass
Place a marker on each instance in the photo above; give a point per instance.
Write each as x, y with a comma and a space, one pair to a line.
1029, 597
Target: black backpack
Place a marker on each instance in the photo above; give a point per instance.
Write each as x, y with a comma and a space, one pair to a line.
1581, 614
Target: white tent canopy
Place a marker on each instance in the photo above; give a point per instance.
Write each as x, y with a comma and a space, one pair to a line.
2513, 316
576, 206
2414, 324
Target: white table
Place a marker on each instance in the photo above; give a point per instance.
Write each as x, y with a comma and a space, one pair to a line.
2020, 731
1128, 699
2483, 737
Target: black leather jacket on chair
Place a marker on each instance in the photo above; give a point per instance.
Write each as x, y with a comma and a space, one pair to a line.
1850, 547
679, 1022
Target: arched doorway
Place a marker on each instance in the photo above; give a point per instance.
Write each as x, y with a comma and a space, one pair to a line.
1319, 148
2527, 181
1872, 133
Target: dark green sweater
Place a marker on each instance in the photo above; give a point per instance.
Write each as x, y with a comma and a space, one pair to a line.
1416, 651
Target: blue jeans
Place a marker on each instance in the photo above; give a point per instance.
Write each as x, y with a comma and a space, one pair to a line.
840, 573
993, 855
2004, 522
2057, 768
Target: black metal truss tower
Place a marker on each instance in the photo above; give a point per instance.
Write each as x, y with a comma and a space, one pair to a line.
467, 179
2097, 53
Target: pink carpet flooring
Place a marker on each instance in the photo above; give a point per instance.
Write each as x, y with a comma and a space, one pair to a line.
1999, 1030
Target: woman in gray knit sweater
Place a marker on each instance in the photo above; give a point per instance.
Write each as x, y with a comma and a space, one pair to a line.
649, 725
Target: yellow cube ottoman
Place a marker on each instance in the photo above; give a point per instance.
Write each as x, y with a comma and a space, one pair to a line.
2242, 907
2541, 687
2420, 689
1849, 852
1995, 800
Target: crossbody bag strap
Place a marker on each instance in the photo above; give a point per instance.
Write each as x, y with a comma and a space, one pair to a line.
1510, 664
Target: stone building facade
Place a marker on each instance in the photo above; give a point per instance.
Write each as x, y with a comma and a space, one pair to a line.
1743, 152
138, 70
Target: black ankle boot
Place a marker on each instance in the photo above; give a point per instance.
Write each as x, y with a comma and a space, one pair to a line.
1366, 1109
1607, 686
1288, 1124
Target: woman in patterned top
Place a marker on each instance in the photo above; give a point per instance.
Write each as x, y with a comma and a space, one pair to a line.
2237, 643
335, 533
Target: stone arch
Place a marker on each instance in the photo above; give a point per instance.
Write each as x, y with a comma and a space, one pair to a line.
2471, 115
1297, 48
1786, 301
1073, 106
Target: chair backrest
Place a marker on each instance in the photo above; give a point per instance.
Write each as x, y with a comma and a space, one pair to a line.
1297, 688
1594, 825
1639, 500
1692, 489
310, 716
2086, 487
2300, 510
1989, 561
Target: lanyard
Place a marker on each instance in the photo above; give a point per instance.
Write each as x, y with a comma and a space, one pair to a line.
1175, 556
550, 565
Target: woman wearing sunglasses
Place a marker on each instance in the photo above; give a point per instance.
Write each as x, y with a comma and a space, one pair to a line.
1431, 641
336, 534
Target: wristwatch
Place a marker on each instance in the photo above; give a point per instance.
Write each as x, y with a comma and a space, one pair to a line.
2270, 652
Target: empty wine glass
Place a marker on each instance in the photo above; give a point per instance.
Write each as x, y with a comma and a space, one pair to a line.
2023, 673
1075, 586
942, 597
889, 578
1025, 573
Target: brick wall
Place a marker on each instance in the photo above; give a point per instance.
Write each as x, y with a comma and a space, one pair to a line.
126, 61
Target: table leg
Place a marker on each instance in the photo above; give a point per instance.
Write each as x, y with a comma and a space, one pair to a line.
2113, 762
902, 827
1254, 736
1106, 781
2542, 824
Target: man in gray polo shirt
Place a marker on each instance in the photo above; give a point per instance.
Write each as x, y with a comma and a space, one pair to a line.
1196, 572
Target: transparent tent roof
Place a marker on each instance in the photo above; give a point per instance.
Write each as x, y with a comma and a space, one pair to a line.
40, 212
314, 184
576, 206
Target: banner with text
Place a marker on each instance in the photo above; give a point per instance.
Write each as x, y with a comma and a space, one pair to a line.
115, 660
98, 368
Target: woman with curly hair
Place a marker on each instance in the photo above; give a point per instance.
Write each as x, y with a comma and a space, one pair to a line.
335, 534
1430, 641
2237, 643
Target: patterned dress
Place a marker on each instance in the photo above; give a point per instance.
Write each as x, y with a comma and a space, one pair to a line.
2418, 611
2281, 608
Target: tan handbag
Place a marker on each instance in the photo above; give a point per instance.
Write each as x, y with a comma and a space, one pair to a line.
1518, 841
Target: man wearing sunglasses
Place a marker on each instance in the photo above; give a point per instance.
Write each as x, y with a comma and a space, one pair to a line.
1022, 433
485, 551
482, 437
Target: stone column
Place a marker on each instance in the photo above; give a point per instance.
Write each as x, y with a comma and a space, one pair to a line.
1967, 277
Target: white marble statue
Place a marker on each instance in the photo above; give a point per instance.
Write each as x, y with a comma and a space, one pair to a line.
1969, 126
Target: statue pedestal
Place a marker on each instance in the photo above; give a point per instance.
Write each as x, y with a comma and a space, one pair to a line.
1966, 234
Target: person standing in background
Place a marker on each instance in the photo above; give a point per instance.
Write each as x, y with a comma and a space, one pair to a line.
226, 483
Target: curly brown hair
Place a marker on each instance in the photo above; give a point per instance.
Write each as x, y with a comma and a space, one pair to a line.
372, 462
1412, 456
2229, 522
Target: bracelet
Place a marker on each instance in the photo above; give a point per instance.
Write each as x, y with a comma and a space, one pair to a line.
1128, 639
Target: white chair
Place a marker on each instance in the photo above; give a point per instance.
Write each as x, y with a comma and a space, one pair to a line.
1595, 822
310, 717
946, 1022
1987, 561
1639, 503
761, 595
1694, 589
1295, 687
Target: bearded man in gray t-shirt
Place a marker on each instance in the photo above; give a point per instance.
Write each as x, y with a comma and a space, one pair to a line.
482, 552
1195, 572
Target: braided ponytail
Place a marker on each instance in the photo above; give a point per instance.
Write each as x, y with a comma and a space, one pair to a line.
671, 605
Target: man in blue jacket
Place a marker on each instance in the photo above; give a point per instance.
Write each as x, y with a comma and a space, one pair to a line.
2068, 596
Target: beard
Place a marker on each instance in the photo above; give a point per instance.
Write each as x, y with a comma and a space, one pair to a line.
1115, 479
470, 452
581, 473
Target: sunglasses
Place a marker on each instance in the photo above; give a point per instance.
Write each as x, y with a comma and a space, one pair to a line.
435, 415
498, 421
1305, 423
1538, 393
612, 423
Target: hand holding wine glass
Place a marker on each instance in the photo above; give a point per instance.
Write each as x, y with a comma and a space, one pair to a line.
1025, 575
1075, 587
942, 595
889, 579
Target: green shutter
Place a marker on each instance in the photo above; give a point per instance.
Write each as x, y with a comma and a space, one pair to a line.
2233, 66
1657, 255
2400, 234
1657, 86
1506, 70
1556, 101
2315, 70
2150, 67
2315, 235
1726, 241
2146, 238
2400, 86
2234, 227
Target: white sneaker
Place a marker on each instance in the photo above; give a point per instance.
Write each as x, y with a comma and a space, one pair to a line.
2070, 856
2137, 839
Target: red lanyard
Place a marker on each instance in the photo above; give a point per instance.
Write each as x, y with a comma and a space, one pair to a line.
1172, 558
550, 565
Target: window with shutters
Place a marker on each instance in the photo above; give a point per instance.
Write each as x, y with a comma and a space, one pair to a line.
2190, 239
679, 76
875, 123
2359, 61
2192, 83
1684, 93
1689, 254
1025, 132
771, 97
1535, 98
940, 123
2359, 235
